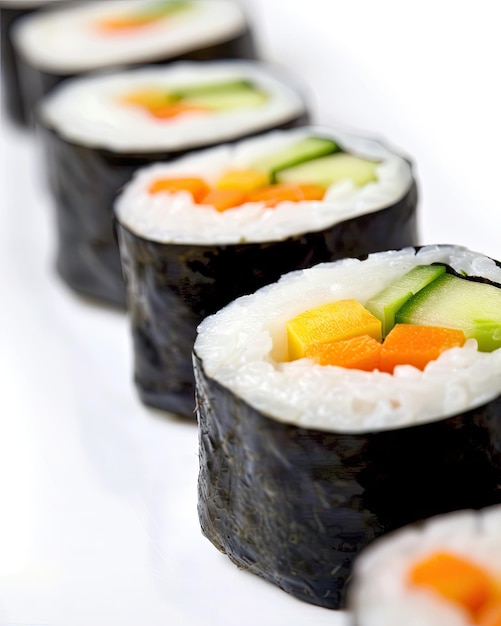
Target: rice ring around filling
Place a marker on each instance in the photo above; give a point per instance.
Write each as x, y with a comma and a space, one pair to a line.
244, 347
89, 110
175, 218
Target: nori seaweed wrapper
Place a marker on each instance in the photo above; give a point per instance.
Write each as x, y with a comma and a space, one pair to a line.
11, 94
171, 288
84, 182
296, 505
11, 88
36, 83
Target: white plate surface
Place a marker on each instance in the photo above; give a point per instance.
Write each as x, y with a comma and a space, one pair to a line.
98, 521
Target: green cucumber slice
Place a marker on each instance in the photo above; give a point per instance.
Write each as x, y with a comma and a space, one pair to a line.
331, 169
163, 8
300, 152
387, 302
226, 100
211, 88
453, 302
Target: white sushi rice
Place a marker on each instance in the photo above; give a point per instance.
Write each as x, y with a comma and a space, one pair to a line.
244, 347
88, 110
67, 41
381, 594
176, 218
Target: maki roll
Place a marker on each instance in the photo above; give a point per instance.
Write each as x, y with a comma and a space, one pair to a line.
198, 232
446, 570
97, 130
124, 33
10, 12
321, 430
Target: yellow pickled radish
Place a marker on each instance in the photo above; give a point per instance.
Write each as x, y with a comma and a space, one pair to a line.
149, 98
330, 322
243, 180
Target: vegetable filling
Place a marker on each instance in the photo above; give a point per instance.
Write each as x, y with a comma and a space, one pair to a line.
199, 100
462, 583
303, 172
138, 20
421, 315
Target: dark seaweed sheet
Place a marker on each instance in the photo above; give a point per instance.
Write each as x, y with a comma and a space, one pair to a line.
36, 83
296, 506
11, 94
84, 183
11, 88
171, 288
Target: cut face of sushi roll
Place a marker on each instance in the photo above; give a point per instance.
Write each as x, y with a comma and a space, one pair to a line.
200, 231
444, 571
233, 194
122, 33
303, 464
98, 130
10, 12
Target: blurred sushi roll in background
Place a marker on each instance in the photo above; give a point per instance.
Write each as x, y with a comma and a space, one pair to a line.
120, 34
10, 12
198, 232
97, 130
316, 436
446, 571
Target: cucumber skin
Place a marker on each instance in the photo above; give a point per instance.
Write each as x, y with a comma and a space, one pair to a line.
211, 88
385, 304
331, 169
305, 150
164, 7
226, 100
441, 303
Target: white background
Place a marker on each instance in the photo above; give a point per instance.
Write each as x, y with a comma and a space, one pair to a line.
98, 520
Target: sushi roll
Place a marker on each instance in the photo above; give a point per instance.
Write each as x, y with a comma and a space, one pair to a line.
119, 34
316, 436
198, 232
446, 570
10, 12
96, 131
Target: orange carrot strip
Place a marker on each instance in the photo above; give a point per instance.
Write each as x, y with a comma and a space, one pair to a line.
361, 353
120, 25
173, 110
196, 186
243, 180
455, 579
312, 192
160, 103
490, 613
274, 194
417, 345
223, 199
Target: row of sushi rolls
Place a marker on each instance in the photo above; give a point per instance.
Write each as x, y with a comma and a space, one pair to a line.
345, 380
